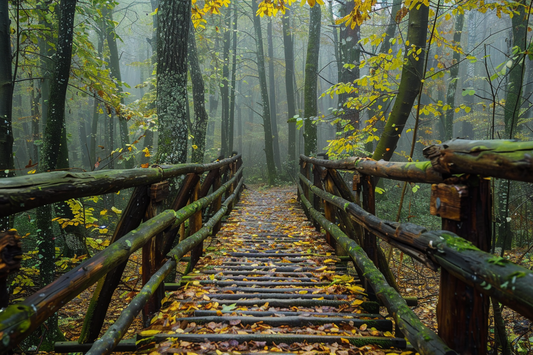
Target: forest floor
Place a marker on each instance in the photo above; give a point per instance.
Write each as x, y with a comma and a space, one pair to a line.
413, 279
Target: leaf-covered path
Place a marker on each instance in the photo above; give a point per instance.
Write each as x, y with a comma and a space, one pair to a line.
269, 283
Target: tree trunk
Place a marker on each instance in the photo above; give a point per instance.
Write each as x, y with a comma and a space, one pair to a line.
412, 74
310, 85
173, 27
54, 151
231, 128
224, 87
447, 117
350, 53
7, 164
269, 151
513, 103
272, 87
200, 114
288, 48
114, 67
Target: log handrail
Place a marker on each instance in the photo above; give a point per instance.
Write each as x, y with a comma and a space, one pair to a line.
424, 339
507, 282
461, 196
501, 158
26, 192
18, 320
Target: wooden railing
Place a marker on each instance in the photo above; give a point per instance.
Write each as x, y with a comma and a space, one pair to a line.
199, 198
461, 196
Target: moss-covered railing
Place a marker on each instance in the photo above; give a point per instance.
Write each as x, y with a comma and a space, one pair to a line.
212, 195
461, 196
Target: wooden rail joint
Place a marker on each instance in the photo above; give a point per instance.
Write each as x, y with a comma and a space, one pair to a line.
159, 191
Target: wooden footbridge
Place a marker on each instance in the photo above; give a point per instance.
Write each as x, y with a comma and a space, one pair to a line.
268, 283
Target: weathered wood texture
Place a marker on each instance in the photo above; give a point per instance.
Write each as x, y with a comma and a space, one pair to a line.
462, 311
26, 192
116, 332
414, 172
493, 276
506, 159
131, 218
421, 337
19, 320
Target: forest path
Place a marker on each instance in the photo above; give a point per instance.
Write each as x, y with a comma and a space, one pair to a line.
269, 283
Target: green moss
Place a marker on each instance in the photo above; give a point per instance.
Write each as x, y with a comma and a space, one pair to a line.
423, 166
458, 243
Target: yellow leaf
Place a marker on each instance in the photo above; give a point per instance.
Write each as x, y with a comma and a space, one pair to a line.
149, 333
116, 210
302, 292
328, 261
17, 290
194, 146
32, 171
103, 212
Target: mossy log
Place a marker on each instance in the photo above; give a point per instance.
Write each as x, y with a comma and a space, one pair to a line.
26, 192
506, 159
496, 277
114, 334
19, 320
421, 337
422, 172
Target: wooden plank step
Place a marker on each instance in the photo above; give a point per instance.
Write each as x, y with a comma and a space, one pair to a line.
345, 315
238, 296
270, 339
295, 321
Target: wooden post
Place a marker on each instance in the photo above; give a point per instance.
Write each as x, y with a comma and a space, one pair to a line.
316, 202
152, 252
370, 245
462, 312
195, 224
218, 202
330, 212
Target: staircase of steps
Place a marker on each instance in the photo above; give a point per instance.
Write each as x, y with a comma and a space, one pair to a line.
269, 283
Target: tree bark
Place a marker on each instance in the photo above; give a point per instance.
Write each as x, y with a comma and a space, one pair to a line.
412, 74
231, 128
7, 164
173, 29
288, 48
224, 86
272, 95
447, 117
114, 67
269, 151
310, 85
200, 114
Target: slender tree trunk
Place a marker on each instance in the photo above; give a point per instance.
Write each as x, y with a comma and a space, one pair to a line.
311, 77
350, 54
271, 82
513, 103
200, 114
447, 117
173, 29
114, 67
7, 163
231, 128
288, 48
412, 74
267, 126
224, 87
54, 151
